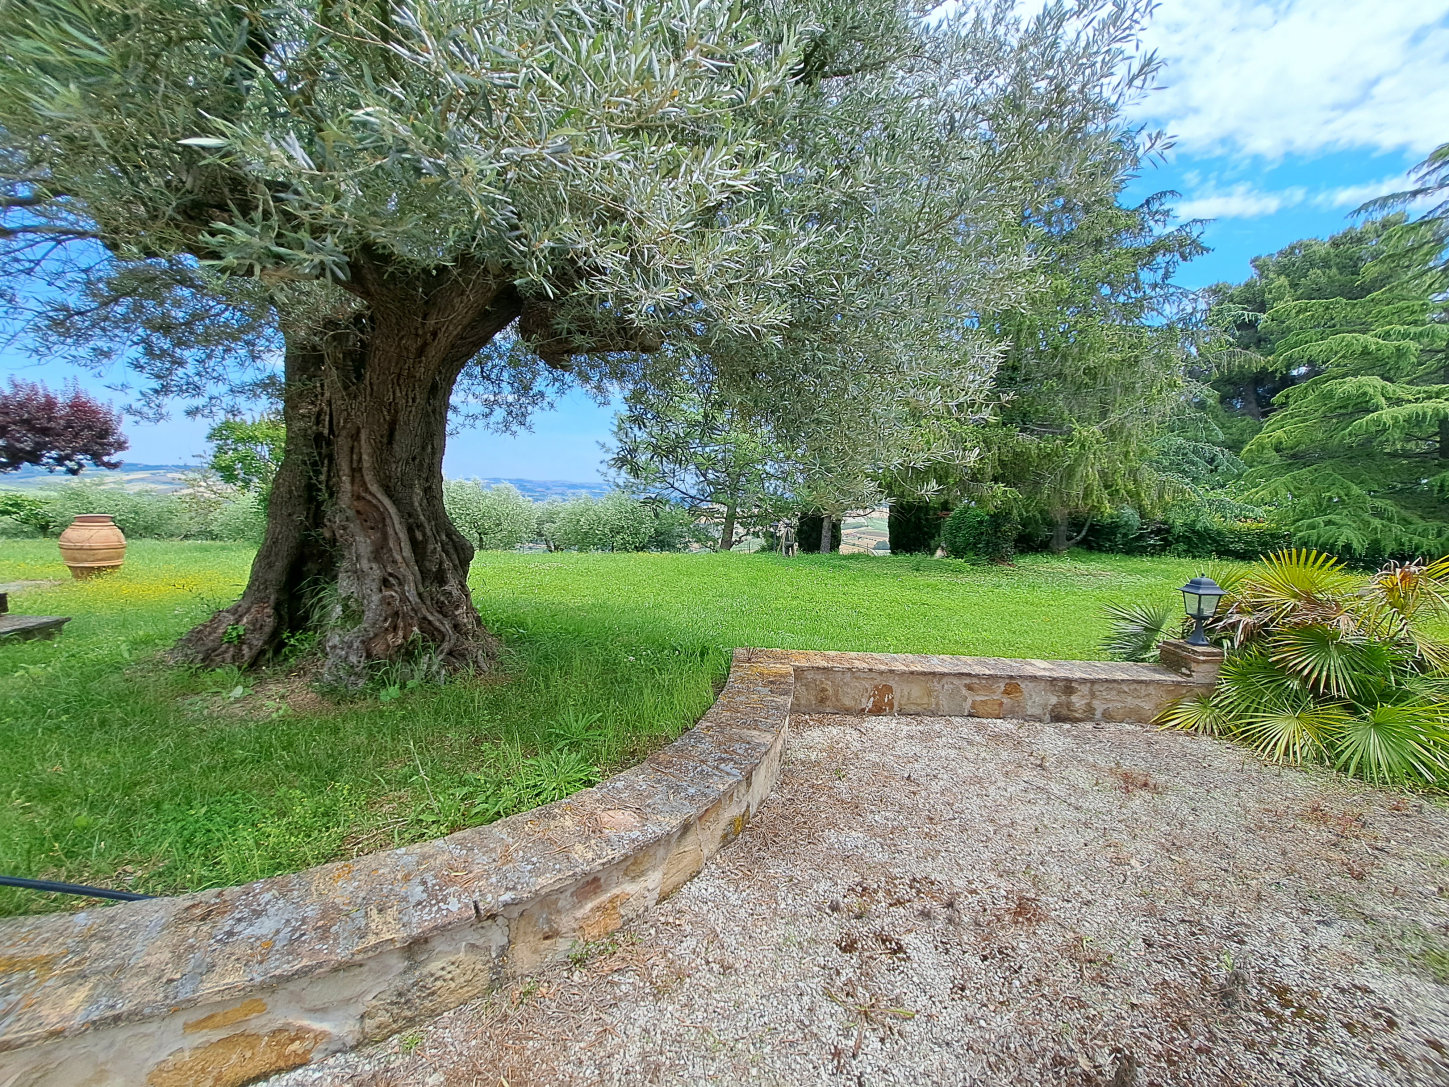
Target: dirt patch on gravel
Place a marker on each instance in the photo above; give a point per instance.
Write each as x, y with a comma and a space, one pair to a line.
964, 901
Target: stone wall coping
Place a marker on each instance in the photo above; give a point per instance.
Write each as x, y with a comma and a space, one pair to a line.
63, 974
995, 667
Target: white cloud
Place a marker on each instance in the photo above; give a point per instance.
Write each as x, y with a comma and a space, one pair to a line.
1246, 201
1240, 201
1279, 77
1351, 196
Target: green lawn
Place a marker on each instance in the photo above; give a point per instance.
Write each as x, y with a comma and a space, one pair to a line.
120, 771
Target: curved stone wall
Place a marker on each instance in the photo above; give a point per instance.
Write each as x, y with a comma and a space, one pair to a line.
218, 988
221, 988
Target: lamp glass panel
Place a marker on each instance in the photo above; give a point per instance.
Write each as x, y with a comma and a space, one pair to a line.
1194, 603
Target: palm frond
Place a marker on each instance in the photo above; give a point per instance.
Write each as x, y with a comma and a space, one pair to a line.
1321, 656
1293, 732
1250, 683
1196, 713
1229, 575
1136, 630
1395, 743
1434, 651
1289, 588
1300, 575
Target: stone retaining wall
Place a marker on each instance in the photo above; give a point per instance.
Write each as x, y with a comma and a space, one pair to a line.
220, 988
1033, 690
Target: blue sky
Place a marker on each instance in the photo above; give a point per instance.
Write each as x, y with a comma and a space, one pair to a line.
1287, 114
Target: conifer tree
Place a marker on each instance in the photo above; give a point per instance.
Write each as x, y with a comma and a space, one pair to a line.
1245, 374
1094, 365
1356, 456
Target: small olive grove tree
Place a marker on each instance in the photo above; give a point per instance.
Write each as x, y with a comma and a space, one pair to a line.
693, 444
362, 205
616, 522
495, 518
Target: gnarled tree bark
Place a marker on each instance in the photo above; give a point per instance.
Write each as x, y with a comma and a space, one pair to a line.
358, 546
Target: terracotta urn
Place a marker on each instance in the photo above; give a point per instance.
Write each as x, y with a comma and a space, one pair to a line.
92, 545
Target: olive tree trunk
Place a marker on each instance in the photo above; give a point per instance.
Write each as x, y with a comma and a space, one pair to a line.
358, 549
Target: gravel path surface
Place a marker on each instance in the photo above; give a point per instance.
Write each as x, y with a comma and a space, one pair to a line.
962, 901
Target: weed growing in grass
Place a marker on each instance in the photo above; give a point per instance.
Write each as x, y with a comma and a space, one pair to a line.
120, 770
574, 728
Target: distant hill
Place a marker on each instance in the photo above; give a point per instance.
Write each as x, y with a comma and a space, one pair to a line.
164, 477
541, 490
168, 477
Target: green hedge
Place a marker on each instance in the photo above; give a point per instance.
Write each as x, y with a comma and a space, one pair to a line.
1186, 531
915, 527
140, 514
981, 535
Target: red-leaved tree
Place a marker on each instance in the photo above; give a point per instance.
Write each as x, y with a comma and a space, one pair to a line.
51, 430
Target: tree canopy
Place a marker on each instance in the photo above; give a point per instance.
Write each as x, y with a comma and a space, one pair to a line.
1357, 455
813, 194
1095, 365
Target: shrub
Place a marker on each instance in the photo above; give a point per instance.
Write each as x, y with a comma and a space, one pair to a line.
1138, 629
674, 527
1124, 532
495, 518
1328, 666
980, 535
141, 514
204, 511
616, 522
242, 519
914, 528
1198, 533
1252, 539
27, 516
547, 517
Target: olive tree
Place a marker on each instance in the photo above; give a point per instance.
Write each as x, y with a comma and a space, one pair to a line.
408, 193
496, 518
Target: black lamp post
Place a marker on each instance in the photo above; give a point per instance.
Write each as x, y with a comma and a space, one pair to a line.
1200, 596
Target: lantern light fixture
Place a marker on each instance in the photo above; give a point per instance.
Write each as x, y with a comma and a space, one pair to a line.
1201, 597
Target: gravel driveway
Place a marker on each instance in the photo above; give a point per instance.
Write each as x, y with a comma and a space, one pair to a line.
964, 901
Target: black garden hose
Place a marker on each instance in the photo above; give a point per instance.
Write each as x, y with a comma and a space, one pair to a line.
69, 889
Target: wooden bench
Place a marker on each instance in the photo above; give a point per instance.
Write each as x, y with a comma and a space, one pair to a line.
24, 627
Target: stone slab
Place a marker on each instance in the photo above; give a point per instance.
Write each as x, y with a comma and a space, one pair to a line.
944, 686
22, 628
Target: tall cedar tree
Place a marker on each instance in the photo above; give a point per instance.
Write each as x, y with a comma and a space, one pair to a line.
1357, 455
1246, 376
1095, 365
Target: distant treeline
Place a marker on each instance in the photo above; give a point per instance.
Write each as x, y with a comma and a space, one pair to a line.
495, 517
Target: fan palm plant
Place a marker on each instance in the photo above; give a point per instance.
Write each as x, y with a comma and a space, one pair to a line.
1327, 666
